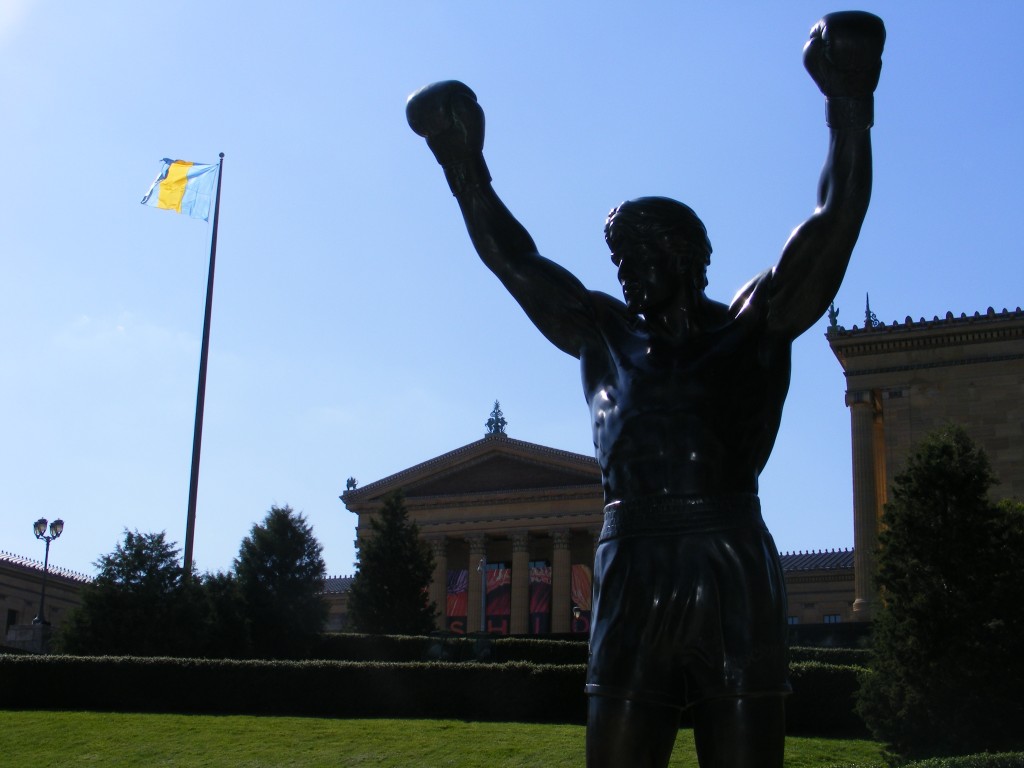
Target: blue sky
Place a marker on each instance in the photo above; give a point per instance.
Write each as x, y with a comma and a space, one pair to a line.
355, 333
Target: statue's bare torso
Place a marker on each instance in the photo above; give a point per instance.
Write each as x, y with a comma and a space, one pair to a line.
696, 417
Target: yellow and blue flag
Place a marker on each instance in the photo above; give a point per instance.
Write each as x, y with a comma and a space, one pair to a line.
184, 187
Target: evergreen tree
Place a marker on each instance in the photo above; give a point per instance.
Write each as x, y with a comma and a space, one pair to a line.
280, 574
948, 664
389, 593
138, 605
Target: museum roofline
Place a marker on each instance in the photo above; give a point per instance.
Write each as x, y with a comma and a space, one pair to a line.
909, 324
28, 563
949, 331
487, 442
337, 585
822, 560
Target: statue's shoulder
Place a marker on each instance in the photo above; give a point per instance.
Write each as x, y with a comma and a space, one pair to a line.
753, 297
609, 308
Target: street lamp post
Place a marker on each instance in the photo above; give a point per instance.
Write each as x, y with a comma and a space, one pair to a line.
39, 528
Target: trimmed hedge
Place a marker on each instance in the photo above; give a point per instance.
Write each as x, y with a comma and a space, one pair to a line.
513, 691
441, 647
471, 691
823, 700
844, 657
1003, 760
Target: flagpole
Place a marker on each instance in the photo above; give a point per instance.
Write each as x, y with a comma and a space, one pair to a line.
197, 435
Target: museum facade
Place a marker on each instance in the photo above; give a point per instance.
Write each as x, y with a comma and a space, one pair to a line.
905, 380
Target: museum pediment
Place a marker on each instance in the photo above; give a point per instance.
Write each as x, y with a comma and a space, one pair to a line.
495, 464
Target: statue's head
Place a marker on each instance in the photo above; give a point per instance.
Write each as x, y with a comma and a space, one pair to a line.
656, 243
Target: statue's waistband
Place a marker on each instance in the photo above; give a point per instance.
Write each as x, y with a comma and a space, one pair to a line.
659, 516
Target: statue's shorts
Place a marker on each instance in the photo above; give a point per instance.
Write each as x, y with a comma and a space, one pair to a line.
689, 603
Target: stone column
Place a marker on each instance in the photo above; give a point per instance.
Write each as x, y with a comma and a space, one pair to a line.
561, 575
477, 552
865, 500
881, 475
520, 584
439, 581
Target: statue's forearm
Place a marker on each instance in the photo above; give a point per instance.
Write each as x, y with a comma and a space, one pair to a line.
818, 252
844, 189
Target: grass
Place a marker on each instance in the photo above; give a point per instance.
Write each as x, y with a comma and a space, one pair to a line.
73, 739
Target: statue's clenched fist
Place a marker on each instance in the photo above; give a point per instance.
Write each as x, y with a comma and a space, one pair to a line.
447, 115
844, 54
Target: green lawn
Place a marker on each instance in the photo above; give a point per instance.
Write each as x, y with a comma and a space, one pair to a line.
52, 739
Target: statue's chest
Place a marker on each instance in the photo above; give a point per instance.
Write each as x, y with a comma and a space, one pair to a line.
705, 369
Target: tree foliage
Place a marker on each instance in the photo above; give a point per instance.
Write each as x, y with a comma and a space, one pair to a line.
139, 604
270, 605
389, 593
280, 574
227, 633
948, 664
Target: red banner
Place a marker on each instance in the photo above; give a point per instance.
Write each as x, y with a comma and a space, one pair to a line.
458, 601
499, 598
540, 598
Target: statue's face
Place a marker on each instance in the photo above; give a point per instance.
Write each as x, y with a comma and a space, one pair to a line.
648, 275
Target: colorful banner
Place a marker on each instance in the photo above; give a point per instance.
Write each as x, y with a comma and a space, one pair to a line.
458, 602
540, 598
581, 595
499, 598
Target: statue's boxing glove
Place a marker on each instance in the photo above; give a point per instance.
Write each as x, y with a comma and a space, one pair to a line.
448, 116
844, 57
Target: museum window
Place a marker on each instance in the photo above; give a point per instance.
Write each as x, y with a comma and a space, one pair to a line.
832, 618
12, 619
792, 620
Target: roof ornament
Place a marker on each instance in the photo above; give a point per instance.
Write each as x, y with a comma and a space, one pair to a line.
350, 484
496, 424
870, 321
833, 320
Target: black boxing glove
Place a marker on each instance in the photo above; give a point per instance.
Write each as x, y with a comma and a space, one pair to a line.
844, 58
448, 116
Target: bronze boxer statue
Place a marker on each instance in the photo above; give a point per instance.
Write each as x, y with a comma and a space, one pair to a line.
686, 397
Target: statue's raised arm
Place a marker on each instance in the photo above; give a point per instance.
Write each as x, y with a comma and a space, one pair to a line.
844, 57
448, 116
